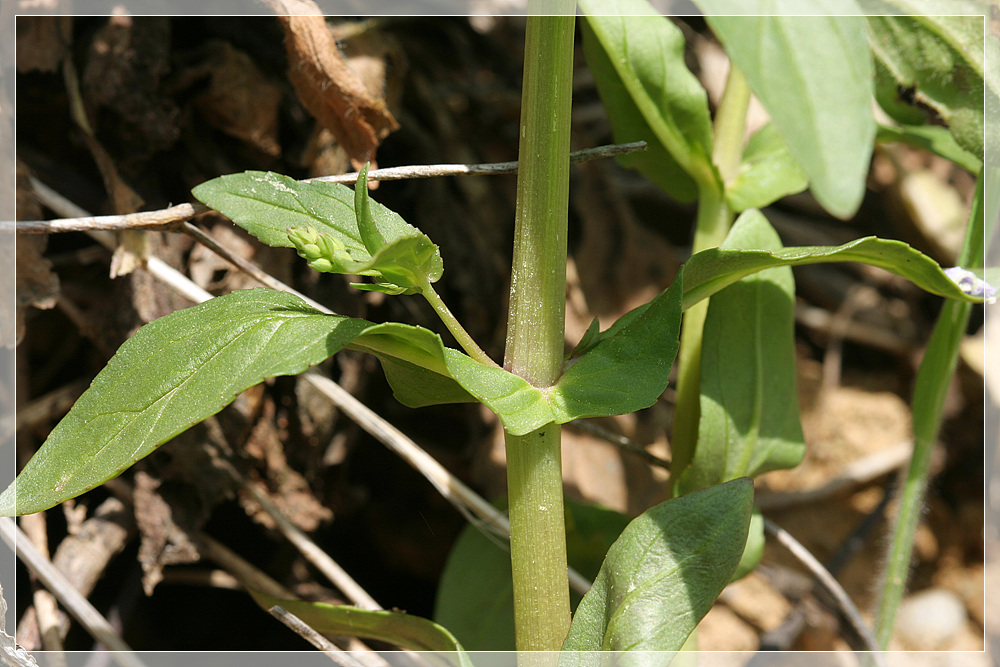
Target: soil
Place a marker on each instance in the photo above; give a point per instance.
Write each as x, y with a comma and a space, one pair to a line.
174, 102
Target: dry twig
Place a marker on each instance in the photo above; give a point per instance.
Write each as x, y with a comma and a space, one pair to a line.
831, 586
319, 558
78, 220
74, 602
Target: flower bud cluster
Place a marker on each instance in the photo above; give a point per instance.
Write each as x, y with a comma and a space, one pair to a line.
321, 251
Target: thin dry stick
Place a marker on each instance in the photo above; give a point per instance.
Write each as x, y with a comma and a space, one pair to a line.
488, 169
299, 627
89, 223
248, 267
457, 493
831, 585
319, 558
46, 611
252, 577
620, 441
78, 606
84, 222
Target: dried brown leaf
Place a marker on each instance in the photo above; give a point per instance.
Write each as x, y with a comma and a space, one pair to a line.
162, 541
331, 91
240, 100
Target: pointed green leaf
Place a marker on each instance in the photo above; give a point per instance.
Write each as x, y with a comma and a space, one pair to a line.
173, 373
186, 366
749, 404
637, 59
417, 387
711, 270
663, 574
589, 339
408, 632
268, 205
813, 74
370, 235
768, 172
627, 368
940, 60
520, 406
754, 549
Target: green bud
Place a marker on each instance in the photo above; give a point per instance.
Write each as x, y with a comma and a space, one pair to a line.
322, 251
322, 265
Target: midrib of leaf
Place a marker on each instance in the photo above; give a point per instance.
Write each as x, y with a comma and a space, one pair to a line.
639, 590
807, 101
753, 432
308, 210
673, 141
166, 398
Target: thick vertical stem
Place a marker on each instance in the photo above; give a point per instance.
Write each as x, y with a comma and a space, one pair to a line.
535, 324
538, 540
535, 330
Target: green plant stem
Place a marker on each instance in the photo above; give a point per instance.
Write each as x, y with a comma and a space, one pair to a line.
929, 391
455, 327
538, 540
535, 330
713, 223
730, 125
714, 219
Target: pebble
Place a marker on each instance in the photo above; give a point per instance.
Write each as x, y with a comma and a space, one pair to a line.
930, 620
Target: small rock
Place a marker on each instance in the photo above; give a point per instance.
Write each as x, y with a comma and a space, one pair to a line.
931, 619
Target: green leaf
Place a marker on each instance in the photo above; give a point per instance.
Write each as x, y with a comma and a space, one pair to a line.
663, 574
370, 235
637, 59
754, 549
589, 339
172, 374
768, 172
622, 370
186, 366
939, 60
408, 262
408, 632
813, 74
749, 404
627, 368
709, 271
933, 139
417, 387
520, 406
475, 597
268, 205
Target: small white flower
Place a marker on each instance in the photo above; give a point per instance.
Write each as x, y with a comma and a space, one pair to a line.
971, 284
